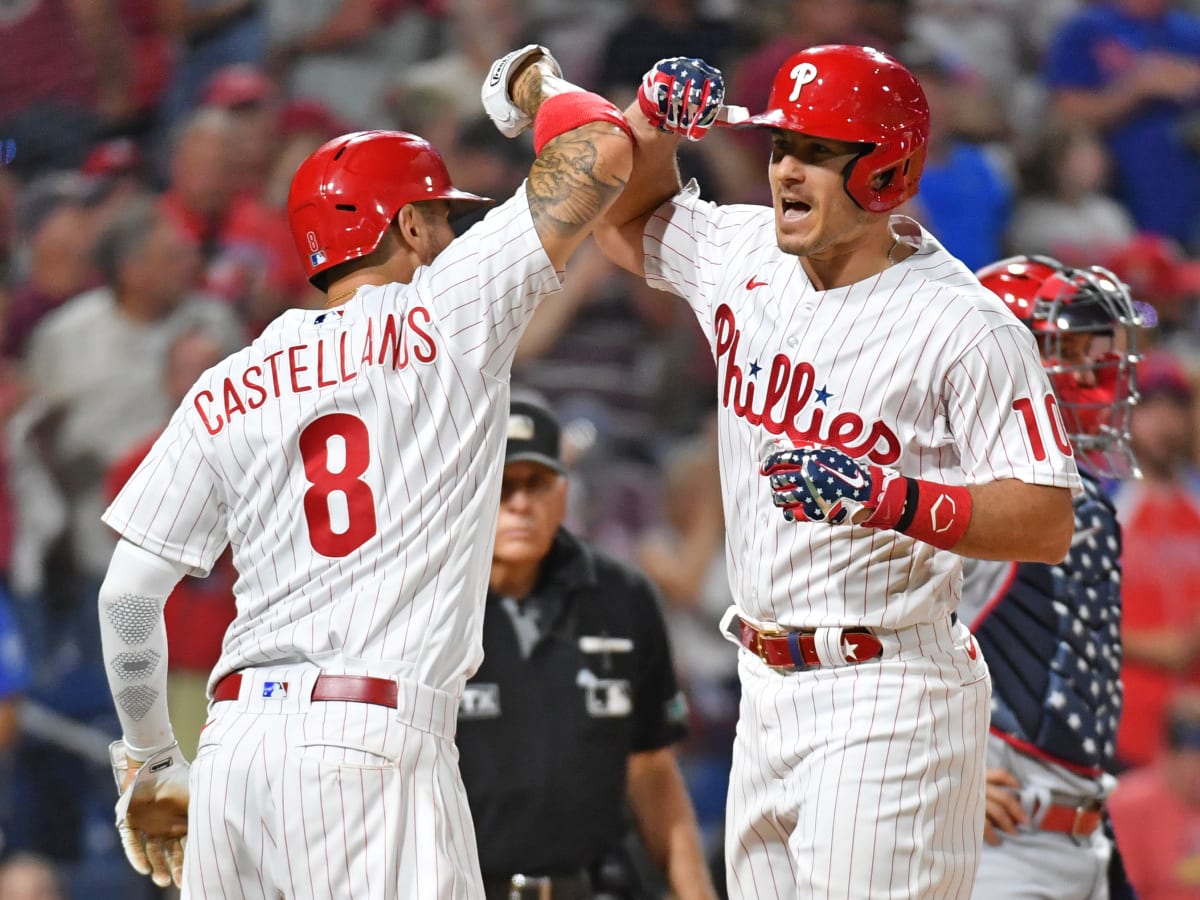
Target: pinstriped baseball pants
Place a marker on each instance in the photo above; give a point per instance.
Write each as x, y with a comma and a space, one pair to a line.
862, 782
329, 800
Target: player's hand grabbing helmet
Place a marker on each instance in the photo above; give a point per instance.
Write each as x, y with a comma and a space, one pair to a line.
346, 193
857, 94
1086, 328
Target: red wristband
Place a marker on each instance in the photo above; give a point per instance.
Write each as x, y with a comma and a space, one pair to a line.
937, 514
566, 112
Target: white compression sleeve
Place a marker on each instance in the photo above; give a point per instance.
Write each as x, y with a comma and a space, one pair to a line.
133, 636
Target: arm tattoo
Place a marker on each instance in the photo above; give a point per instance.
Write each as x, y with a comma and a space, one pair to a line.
533, 85
566, 193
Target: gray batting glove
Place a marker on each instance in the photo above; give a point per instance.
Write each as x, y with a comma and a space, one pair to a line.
509, 118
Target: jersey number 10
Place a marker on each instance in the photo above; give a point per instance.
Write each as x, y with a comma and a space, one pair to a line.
346, 484
1025, 407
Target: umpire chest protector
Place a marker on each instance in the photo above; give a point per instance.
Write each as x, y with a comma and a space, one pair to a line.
1052, 641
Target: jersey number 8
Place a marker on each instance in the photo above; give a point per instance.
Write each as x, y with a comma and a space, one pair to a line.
331, 489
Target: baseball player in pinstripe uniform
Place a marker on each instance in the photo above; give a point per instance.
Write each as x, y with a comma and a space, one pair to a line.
1052, 634
351, 457
897, 415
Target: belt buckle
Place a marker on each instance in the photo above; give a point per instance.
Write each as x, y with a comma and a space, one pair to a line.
538, 886
768, 632
1092, 806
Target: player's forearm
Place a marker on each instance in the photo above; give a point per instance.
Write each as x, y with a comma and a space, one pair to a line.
580, 170
535, 82
666, 823
133, 638
655, 178
1045, 517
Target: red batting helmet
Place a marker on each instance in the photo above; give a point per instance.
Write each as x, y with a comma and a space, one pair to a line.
1057, 301
347, 192
857, 94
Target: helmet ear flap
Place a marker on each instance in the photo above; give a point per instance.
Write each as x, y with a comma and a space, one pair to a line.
902, 177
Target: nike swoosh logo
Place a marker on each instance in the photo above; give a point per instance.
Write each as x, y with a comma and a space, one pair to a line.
752, 284
971, 651
1080, 536
857, 482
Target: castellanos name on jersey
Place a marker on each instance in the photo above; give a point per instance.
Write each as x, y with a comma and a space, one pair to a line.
319, 364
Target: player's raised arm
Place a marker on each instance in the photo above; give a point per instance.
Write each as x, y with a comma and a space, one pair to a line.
678, 96
584, 145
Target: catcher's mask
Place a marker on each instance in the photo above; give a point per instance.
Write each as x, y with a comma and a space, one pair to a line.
345, 195
1086, 327
862, 96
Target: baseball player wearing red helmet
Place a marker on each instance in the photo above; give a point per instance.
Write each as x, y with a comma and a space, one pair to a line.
875, 394
351, 457
1052, 634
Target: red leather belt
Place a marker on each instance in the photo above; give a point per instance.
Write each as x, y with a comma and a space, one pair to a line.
348, 688
1077, 821
797, 649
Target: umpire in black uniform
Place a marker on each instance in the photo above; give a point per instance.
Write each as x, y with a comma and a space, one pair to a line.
565, 731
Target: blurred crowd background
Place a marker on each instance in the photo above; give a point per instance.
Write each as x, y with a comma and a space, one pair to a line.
147, 149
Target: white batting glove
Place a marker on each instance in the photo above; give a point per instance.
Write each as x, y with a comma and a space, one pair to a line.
509, 118
151, 812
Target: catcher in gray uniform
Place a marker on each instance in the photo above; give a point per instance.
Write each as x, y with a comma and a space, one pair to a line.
1051, 633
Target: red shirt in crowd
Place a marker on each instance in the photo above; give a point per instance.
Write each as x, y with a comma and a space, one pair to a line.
1159, 835
1160, 590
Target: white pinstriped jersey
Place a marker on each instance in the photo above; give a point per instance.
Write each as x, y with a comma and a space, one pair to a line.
896, 368
352, 460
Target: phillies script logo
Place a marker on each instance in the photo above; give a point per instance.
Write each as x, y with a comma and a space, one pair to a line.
785, 407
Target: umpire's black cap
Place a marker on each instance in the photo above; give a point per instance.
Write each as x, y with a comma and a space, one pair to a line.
534, 435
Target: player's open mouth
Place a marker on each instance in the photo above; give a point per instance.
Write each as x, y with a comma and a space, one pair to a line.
794, 209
